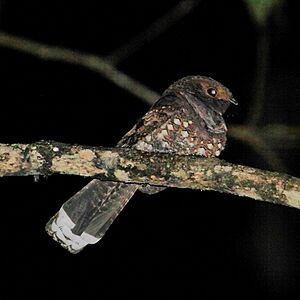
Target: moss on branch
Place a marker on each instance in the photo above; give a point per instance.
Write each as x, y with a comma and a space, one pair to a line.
132, 166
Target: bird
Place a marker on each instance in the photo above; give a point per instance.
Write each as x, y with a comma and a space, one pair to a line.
186, 120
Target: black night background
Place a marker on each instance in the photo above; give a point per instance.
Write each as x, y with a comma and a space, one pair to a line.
178, 242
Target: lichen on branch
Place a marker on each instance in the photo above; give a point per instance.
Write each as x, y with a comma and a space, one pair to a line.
133, 166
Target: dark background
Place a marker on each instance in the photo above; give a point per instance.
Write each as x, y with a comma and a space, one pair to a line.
177, 242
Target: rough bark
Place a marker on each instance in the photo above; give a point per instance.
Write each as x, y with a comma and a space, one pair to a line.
128, 165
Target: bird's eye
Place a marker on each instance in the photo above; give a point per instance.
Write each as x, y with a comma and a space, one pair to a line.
212, 92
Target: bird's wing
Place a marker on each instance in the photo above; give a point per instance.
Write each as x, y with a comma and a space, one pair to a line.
159, 114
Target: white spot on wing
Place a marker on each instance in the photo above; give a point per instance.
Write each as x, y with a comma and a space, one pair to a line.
170, 127
140, 145
160, 136
201, 151
165, 144
177, 122
184, 134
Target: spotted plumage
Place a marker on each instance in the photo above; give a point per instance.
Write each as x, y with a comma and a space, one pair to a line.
186, 120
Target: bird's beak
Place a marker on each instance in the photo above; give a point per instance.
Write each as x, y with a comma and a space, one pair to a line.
233, 101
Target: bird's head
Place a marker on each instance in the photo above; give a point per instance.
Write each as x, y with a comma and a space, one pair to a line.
206, 90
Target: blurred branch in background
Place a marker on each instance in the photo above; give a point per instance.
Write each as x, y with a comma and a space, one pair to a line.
279, 135
255, 139
173, 15
260, 77
89, 61
260, 11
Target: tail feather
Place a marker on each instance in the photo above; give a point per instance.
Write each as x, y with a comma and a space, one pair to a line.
86, 216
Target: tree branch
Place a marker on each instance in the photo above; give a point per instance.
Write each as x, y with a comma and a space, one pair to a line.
162, 24
132, 166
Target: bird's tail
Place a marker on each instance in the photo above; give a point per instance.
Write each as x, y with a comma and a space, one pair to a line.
86, 216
